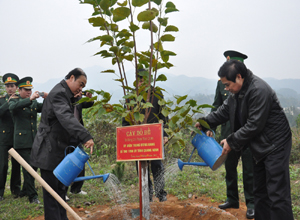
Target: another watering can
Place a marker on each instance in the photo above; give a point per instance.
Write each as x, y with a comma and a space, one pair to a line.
70, 167
208, 149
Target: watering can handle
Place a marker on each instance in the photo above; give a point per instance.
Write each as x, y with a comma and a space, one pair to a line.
205, 133
90, 168
211, 131
86, 161
67, 148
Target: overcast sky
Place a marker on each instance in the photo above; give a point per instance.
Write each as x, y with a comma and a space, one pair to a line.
46, 39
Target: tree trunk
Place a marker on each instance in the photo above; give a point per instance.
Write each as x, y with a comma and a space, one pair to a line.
145, 190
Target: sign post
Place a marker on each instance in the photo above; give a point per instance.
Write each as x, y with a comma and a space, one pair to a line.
141, 143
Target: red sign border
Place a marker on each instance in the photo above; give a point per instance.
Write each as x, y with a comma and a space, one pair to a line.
143, 125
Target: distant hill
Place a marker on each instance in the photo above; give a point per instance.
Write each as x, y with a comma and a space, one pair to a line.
176, 85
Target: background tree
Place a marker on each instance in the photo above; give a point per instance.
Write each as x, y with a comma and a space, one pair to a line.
119, 24
2, 87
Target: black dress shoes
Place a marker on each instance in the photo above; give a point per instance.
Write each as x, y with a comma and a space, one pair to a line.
250, 214
34, 200
228, 205
162, 199
22, 194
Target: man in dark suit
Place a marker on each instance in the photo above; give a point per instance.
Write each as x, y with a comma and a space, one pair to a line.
76, 186
57, 128
24, 113
233, 158
257, 121
6, 137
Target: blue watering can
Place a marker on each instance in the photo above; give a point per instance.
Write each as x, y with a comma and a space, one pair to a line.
208, 149
70, 167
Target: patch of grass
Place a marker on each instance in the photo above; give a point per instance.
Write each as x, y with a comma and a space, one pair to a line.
198, 181
202, 181
20, 208
295, 189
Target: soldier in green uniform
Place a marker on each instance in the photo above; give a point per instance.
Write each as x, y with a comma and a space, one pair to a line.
24, 114
6, 137
231, 163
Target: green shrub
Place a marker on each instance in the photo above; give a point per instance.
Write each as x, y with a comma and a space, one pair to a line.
118, 171
295, 152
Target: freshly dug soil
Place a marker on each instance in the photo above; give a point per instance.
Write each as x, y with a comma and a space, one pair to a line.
195, 208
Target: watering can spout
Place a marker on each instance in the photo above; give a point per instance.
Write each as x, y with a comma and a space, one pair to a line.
208, 149
104, 177
181, 164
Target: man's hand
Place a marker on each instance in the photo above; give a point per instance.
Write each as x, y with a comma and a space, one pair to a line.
226, 147
12, 95
209, 133
34, 95
88, 94
89, 144
198, 125
79, 94
45, 95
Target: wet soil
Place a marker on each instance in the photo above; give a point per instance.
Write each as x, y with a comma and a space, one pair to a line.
195, 208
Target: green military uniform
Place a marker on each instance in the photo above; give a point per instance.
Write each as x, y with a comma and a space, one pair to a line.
24, 113
233, 156
6, 141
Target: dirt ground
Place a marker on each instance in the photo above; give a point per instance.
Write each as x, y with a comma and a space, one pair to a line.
195, 208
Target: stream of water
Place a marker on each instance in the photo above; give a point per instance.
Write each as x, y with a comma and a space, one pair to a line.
118, 195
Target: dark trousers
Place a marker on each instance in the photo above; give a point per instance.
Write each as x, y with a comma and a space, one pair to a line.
28, 188
52, 208
15, 178
272, 190
232, 177
76, 186
157, 169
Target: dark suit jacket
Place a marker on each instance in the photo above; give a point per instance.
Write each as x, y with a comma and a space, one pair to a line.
81, 106
57, 127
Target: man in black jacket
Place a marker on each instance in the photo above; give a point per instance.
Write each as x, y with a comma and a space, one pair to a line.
257, 121
156, 165
57, 127
76, 186
232, 192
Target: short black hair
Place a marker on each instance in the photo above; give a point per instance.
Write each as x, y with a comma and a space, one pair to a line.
231, 68
77, 72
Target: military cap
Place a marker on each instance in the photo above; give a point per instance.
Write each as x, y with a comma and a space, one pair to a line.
10, 78
234, 55
25, 83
